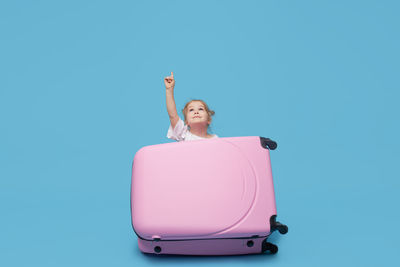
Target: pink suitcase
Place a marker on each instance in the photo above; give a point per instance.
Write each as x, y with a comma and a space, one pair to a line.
205, 197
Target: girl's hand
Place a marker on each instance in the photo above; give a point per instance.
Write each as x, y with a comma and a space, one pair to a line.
169, 82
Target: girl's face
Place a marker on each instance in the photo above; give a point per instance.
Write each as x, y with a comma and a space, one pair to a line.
196, 113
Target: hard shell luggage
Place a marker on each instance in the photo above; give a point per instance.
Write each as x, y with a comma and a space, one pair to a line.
205, 197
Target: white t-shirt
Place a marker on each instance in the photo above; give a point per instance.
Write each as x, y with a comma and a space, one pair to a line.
181, 133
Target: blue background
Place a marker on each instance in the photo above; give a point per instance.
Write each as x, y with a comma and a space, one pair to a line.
81, 90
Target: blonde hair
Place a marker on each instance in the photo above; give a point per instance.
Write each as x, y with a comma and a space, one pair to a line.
209, 111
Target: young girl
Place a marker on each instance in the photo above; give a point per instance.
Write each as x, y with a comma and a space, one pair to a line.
196, 113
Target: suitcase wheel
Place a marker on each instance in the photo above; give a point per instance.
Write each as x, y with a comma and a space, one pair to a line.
266, 246
283, 229
268, 143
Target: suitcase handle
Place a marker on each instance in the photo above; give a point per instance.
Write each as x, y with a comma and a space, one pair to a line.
268, 143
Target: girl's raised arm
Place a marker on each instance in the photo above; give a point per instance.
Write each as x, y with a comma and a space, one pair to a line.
171, 107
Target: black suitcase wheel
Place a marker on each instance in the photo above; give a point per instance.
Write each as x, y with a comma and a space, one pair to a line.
266, 246
268, 143
283, 229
